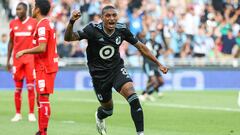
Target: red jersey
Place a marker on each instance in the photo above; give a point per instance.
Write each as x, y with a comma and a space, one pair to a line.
45, 33
21, 33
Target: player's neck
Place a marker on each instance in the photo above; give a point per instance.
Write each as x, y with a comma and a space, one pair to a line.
40, 17
23, 18
107, 31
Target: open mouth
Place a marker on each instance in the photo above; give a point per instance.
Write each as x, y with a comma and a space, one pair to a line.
111, 23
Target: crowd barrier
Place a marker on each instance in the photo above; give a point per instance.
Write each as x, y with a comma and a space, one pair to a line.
176, 79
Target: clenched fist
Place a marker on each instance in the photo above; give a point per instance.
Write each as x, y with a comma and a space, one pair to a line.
163, 69
76, 14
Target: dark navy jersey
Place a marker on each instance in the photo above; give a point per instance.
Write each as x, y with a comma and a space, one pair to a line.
103, 49
154, 47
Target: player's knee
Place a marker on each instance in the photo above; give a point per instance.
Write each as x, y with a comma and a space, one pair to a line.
19, 84
161, 83
30, 81
43, 99
134, 102
30, 85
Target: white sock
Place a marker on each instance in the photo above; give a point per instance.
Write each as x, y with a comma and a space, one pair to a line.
140, 133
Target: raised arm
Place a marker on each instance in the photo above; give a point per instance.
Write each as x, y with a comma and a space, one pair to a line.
69, 34
146, 53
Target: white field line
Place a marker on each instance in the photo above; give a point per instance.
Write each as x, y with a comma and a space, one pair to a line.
181, 106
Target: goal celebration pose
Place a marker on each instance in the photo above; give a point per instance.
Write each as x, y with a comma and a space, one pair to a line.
107, 68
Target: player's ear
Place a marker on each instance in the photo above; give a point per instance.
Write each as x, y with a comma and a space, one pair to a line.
37, 10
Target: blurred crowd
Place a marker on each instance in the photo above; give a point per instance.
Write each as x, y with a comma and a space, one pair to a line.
183, 28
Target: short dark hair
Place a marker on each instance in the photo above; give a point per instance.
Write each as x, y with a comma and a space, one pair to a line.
23, 4
43, 5
106, 8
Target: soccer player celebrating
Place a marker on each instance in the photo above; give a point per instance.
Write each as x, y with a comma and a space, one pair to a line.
106, 67
21, 31
46, 62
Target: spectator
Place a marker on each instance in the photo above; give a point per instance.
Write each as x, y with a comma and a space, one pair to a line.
200, 43
228, 42
64, 49
178, 40
3, 45
173, 20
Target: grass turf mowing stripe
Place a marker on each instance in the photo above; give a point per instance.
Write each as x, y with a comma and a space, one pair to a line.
181, 106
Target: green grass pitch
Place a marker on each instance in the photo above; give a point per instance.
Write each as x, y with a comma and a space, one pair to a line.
177, 113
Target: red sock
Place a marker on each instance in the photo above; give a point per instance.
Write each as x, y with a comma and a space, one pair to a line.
44, 112
18, 96
31, 97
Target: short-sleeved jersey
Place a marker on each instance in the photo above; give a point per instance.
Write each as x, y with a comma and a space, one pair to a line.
103, 49
21, 32
154, 48
45, 33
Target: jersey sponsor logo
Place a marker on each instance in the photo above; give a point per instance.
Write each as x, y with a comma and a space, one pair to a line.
106, 52
41, 31
118, 40
21, 34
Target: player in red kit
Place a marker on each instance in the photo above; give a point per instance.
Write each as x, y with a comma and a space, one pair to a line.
46, 61
21, 31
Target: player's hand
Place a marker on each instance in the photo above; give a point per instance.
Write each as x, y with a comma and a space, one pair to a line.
76, 14
163, 69
19, 54
9, 67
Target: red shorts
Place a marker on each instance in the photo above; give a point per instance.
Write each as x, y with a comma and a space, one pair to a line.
21, 70
45, 82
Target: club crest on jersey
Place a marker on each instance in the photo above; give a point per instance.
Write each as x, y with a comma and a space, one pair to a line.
41, 31
106, 52
16, 27
118, 40
29, 27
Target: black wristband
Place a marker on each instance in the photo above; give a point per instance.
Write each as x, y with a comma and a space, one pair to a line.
72, 22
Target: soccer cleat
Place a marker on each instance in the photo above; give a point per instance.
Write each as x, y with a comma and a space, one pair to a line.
140, 133
41, 133
151, 98
38, 133
31, 117
17, 117
101, 127
142, 98
160, 94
